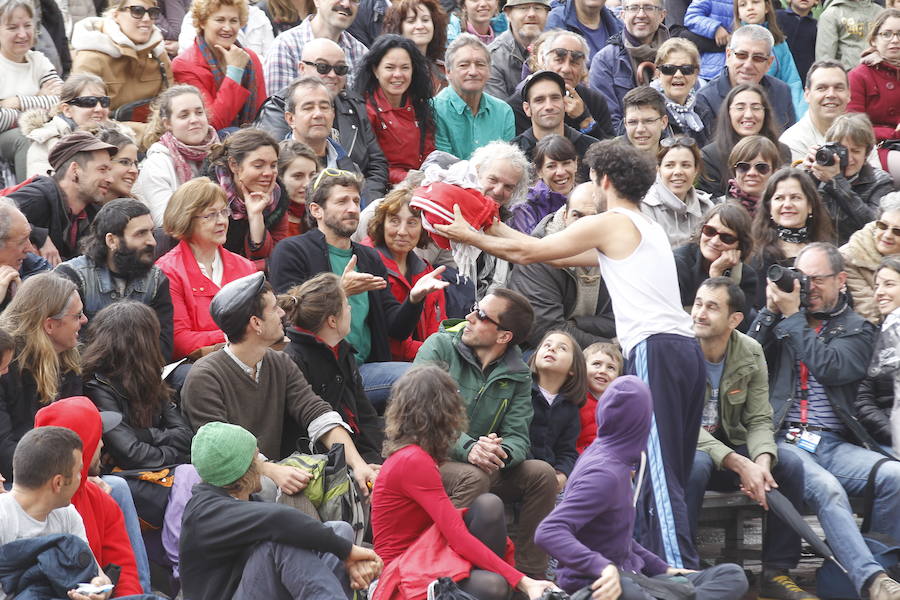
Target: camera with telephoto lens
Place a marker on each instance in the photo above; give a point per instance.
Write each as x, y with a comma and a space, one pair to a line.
784, 278
830, 152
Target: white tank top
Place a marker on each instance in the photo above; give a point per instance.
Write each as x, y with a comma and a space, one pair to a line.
644, 287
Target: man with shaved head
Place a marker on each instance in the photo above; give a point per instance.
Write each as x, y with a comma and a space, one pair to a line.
17, 257
352, 129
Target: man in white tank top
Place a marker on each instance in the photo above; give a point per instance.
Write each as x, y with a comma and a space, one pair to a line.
637, 264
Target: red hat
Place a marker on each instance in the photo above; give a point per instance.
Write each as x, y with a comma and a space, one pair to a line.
436, 201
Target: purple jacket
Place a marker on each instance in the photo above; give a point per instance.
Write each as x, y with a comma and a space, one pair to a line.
541, 201
593, 525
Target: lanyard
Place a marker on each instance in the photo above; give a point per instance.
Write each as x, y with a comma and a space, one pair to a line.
804, 390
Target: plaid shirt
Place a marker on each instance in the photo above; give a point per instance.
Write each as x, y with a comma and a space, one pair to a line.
281, 64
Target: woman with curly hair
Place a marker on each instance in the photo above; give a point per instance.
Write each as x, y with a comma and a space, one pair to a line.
425, 23
411, 512
395, 80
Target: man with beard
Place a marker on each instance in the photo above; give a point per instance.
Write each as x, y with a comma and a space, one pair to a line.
118, 265
376, 314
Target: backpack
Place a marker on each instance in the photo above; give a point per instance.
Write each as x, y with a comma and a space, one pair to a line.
332, 489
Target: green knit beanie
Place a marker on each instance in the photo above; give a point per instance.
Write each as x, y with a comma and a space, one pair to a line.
222, 453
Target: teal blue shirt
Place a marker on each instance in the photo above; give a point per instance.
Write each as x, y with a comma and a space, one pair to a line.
460, 133
359, 336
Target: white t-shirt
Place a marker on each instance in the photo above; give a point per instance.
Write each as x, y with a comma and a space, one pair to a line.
24, 79
16, 524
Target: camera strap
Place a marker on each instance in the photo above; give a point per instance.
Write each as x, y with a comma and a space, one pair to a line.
804, 390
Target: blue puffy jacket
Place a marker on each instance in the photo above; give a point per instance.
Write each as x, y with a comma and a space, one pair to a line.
704, 17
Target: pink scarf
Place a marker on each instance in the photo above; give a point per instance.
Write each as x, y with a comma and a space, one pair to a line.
181, 153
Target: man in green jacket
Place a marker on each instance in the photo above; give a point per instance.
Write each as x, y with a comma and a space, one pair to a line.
736, 448
481, 354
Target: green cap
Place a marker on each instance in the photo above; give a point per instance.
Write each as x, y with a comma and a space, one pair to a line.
222, 452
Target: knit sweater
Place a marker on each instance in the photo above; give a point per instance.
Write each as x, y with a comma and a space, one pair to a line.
217, 389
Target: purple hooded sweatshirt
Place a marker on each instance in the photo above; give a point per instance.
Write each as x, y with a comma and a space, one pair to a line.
593, 525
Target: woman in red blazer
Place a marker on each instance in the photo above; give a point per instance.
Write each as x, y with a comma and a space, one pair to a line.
229, 77
199, 265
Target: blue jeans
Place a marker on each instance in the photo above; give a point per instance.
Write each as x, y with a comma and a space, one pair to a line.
378, 377
836, 470
721, 582
121, 493
781, 544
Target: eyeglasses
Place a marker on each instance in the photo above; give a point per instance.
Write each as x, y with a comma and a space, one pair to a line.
740, 107
78, 316
212, 217
644, 122
885, 227
711, 232
89, 101
757, 58
819, 279
888, 35
678, 140
672, 69
127, 163
325, 68
138, 12
562, 53
636, 8
761, 167
482, 316
329, 172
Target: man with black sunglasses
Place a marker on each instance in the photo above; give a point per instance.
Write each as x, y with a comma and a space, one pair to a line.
747, 60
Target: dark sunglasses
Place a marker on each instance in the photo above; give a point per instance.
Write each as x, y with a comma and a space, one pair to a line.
672, 69
885, 227
325, 68
710, 231
562, 53
89, 101
678, 140
482, 316
138, 12
761, 167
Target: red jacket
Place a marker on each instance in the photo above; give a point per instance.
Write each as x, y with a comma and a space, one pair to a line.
587, 414
399, 135
103, 520
876, 92
434, 308
225, 103
192, 293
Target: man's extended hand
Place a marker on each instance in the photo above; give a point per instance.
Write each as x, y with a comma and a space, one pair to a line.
355, 282
459, 230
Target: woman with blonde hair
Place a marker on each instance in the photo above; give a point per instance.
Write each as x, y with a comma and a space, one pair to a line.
677, 74
44, 319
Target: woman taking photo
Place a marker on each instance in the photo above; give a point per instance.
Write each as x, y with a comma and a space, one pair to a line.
721, 247
178, 139
199, 265
555, 163
677, 71
126, 50
297, 166
672, 201
749, 113
412, 513
395, 80
865, 251
319, 317
229, 76
122, 375
790, 216
750, 165
423, 22
29, 80
395, 231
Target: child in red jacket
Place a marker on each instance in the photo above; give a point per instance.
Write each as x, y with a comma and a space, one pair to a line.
604, 363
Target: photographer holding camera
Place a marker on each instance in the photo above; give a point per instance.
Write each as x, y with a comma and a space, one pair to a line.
817, 349
850, 187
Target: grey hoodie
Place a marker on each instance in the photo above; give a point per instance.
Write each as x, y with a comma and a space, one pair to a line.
679, 219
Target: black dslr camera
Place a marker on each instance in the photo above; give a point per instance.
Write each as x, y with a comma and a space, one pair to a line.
831, 152
784, 278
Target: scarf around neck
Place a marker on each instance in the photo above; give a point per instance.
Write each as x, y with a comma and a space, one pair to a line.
248, 81
641, 53
748, 201
181, 153
794, 235
235, 202
683, 114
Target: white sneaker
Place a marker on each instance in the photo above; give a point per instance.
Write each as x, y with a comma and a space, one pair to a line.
884, 588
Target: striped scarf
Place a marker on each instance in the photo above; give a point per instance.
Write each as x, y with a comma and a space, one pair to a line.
248, 81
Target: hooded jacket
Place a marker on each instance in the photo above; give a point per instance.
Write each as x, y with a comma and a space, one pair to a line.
861, 260
103, 520
131, 72
593, 526
844, 31
875, 90
679, 219
853, 202
498, 399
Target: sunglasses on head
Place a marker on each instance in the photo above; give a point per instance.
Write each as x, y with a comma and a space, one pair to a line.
89, 101
678, 140
761, 167
325, 68
672, 69
562, 53
885, 227
711, 232
138, 12
330, 172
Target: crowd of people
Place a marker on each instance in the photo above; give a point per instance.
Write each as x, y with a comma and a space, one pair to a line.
567, 264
